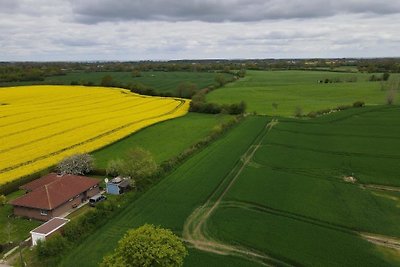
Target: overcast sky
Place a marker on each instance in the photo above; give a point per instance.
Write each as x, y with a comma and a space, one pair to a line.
48, 30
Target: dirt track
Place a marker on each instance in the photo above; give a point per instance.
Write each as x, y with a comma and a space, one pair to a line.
195, 228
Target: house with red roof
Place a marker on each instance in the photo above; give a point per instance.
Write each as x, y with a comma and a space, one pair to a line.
54, 195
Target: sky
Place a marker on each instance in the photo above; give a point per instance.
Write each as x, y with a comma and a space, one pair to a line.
87, 30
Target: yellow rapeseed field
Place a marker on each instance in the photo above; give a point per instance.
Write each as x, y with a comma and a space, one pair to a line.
40, 125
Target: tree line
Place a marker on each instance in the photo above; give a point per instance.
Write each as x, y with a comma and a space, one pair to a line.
36, 71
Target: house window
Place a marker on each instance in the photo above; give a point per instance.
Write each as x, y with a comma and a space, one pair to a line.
71, 199
95, 186
91, 188
43, 212
77, 196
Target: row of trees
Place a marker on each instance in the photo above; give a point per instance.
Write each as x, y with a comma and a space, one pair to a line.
184, 89
20, 72
384, 77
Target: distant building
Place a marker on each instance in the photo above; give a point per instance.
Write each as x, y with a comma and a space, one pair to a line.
117, 186
53, 195
47, 229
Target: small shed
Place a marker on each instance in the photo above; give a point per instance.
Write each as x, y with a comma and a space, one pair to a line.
47, 229
117, 185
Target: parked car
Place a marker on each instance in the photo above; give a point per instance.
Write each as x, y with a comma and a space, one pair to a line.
96, 199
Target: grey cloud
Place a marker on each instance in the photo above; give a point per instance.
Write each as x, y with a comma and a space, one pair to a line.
138, 29
7, 6
76, 42
94, 11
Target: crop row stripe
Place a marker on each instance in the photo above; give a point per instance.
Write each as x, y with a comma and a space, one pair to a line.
91, 139
63, 131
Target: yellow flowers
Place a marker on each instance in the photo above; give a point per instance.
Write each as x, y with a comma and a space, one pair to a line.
40, 125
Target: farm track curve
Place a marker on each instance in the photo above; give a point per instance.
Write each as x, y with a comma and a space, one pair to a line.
194, 229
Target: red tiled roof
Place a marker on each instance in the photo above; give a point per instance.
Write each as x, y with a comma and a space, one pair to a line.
40, 182
55, 192
50, 226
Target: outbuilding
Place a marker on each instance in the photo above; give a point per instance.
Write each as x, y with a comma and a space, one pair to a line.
47, 229
117, 186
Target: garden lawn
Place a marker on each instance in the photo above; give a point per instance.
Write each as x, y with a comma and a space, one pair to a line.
14, 229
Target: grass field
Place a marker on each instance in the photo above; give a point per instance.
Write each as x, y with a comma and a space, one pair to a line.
172, 200
292, 89
287, 182
159, 80
40, 125
177, 135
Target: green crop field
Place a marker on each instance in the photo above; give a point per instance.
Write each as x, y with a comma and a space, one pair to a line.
172, 200
281, 92
164, 140
159, 80
295, 194
281, 196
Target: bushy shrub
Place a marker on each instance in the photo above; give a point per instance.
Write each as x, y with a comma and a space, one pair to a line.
358, 104
312, 114
3, 200
298, 112
52, 247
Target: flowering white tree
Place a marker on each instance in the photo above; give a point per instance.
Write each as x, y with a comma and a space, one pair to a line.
76, 164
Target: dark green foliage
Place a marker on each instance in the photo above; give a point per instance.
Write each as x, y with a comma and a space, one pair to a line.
220, 79
199, 104
107, 81
138, 164
375, 78
52, 247
3, 200
317, 113
241, 73
136, 73
147, 246
186, 89
358, 104
385, 76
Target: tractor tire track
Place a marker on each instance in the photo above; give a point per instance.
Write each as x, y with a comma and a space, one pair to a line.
194, 229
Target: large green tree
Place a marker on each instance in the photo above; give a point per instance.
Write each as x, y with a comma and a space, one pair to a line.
147, 246
138, 164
